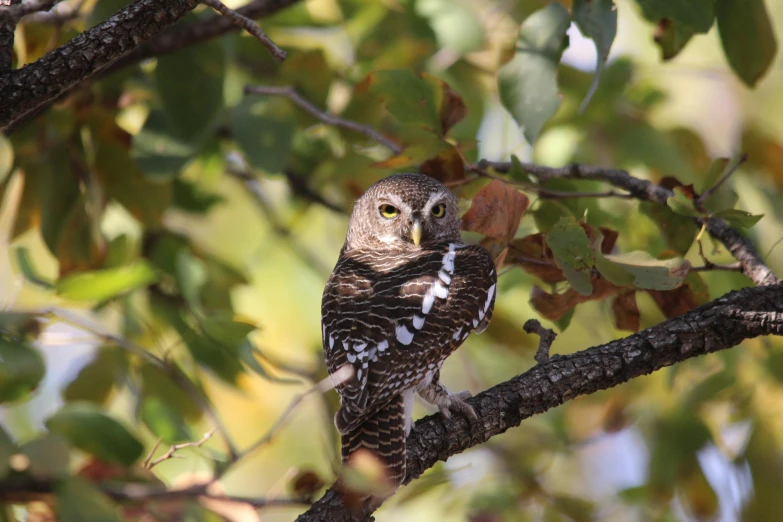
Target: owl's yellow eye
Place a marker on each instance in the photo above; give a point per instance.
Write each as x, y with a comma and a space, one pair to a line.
439, 210
388, 211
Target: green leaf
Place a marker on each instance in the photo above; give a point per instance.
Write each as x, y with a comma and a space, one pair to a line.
28, 270
682, 203
739, 218
156, 383
678, 231
747, 37
190, 83
21, 371
528, 84
188, 196
94, 432
672, 37
49, 457
264, 137
164, 421
78, 501
191, 276
518, 173
407, 97
100, 285
125, 183
723, 197
570, 244
6, 157
650, 273
96, 380
159, 151
596, 19
697, 15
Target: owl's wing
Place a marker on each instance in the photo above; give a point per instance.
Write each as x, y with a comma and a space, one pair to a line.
396, 318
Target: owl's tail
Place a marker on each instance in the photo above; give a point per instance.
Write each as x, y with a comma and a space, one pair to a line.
384, 435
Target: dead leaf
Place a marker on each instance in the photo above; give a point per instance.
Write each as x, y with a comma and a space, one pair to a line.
533, 255
555, 306
626, 312
496, 211
691, 294
452, 108
446, 167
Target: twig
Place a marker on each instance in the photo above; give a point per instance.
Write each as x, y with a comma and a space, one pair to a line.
167, 367
544, 193
28, 488
730, 169
152, 453
16, 12
253, 186
740, 247
300, 187
176, 447
340, 376
59, 14
330, 119
248, 25
547, 337
733, 267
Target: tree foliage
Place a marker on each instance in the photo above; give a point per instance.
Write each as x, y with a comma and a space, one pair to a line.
173, 199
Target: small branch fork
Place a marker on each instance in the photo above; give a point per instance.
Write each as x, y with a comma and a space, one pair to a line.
149, 463
248, 25
547, 337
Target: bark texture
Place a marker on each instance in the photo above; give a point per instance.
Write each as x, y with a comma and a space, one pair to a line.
718, 325
36, 84
7, 28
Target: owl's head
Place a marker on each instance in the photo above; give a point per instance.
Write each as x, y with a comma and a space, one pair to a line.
404, 210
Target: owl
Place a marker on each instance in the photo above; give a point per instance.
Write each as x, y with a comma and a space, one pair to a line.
405, 293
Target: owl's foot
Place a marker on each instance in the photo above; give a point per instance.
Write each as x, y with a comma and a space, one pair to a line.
448, 403
455, 402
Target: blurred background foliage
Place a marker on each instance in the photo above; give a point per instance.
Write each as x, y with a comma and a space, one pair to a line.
161, 209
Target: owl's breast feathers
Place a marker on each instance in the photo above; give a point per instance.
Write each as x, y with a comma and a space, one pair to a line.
396, 315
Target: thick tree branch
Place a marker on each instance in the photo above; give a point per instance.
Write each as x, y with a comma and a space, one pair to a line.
740, 247
185, 35
41, 82
715, 326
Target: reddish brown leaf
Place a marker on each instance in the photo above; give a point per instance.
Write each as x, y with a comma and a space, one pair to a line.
496, 211
446, 167
555, 306
626, 312
691, 294
452, 108
533, 255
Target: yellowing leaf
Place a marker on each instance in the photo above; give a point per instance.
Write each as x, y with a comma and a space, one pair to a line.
651, 273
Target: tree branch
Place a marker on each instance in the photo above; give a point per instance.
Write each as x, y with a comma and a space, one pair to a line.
248, 25
35, 85
715, 326
185, 35
325, 117
740, 247
7, 28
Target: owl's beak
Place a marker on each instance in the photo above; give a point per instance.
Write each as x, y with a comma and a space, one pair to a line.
416, 232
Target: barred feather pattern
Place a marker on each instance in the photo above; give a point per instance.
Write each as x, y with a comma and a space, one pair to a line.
395, 314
